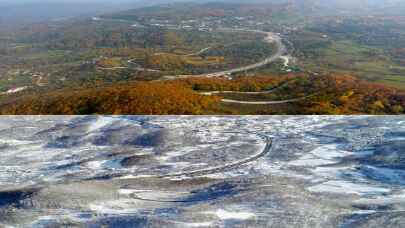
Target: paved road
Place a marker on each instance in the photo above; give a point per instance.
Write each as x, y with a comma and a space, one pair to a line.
139, 68
211, 170
229, 166
207, 171
112, 68
255, 93
266, 102
270, 38
199, 52
210, 93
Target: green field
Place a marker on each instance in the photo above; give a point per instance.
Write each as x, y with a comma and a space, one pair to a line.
349, 57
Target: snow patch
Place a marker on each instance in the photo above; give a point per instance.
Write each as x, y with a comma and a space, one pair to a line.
323, 155
345, 187
99, 123
105, 164
196, 224
224, 215
131, 191
118, 207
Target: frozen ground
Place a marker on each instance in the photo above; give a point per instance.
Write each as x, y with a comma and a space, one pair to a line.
126, 171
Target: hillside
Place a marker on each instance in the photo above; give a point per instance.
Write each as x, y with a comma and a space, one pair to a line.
323, 95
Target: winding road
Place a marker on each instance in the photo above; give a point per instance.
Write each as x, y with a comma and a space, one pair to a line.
270, 38
199, 52
218, 169
210, 93
139, 68
267, 102
229, 166
137, 194
279, 54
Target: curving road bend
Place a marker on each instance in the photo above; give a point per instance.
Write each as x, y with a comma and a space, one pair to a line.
267, 102
229, 166
139, 68
210, 93
138, 194
199, 52
270, 38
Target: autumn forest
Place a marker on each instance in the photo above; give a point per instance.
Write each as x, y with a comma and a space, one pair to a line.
207, 58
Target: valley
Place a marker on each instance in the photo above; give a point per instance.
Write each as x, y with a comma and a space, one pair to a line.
174, 42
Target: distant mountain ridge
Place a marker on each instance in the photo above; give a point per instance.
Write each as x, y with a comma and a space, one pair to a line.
31, 11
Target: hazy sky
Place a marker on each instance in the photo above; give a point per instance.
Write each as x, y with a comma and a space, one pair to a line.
27, 11
36, 10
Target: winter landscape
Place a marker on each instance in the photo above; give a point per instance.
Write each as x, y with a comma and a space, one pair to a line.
281, 171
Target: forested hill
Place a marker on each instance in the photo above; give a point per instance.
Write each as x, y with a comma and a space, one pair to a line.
331, 94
